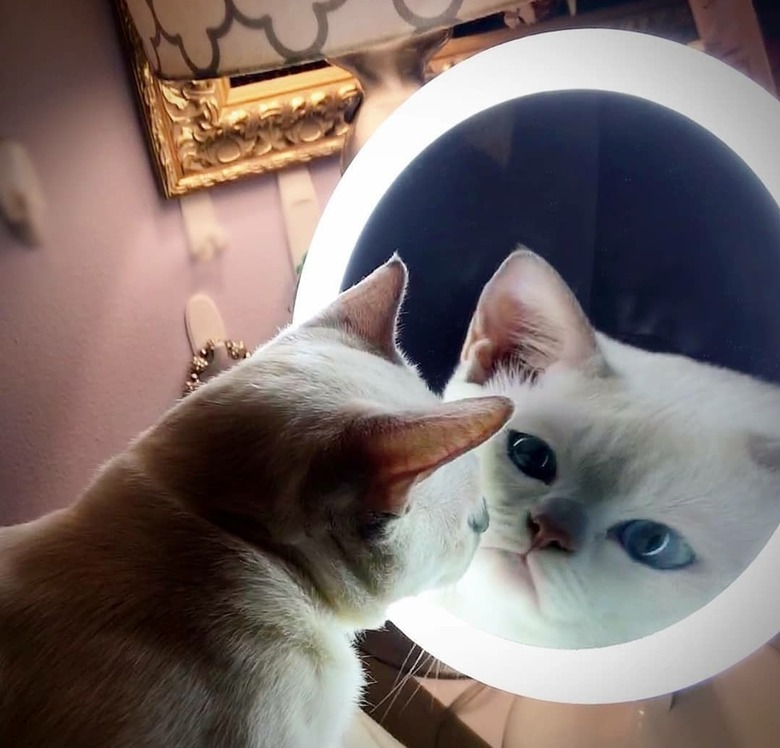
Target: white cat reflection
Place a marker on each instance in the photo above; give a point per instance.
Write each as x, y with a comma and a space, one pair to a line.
628, 490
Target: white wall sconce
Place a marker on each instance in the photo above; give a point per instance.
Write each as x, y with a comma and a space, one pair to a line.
22, 204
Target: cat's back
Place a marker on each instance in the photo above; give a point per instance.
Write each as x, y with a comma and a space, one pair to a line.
105, 641
21, 548
15, 536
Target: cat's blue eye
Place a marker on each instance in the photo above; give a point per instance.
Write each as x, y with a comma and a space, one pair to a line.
654, 544
532, 456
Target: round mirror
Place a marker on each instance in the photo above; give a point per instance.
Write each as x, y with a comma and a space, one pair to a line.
635, 495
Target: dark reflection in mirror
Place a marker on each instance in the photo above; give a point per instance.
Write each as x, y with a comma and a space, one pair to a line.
631, 488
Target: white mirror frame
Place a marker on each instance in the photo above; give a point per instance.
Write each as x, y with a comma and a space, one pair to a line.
747, 119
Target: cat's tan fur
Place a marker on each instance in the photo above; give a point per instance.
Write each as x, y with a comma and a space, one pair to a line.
207, 587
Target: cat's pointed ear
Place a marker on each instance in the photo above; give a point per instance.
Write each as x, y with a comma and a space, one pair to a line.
402, 449
369, 309
528, 318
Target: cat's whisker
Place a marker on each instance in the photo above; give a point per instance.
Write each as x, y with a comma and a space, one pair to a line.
400, 681
435, 665
436, 676
409, 676
401, 670
417, 687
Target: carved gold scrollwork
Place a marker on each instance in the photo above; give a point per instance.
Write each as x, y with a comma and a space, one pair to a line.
206, 132
208, 135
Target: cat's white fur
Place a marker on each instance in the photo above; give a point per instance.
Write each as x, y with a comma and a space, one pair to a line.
638, 435
207, 588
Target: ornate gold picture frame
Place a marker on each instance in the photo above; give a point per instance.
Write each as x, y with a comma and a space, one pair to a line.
203, 133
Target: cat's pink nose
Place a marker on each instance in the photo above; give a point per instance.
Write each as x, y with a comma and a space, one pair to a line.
545, 534
558, 523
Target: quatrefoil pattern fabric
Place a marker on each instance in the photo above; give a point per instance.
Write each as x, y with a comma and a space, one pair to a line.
211, 38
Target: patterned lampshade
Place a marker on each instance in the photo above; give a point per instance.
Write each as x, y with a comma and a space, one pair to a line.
211, 38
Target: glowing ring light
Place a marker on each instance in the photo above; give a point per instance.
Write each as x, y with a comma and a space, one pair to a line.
738, 112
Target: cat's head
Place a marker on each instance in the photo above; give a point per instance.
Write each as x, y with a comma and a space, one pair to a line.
628, 489
326, 449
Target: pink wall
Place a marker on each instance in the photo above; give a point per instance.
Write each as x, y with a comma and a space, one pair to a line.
91, 323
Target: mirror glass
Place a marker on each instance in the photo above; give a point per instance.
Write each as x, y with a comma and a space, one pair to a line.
621, 499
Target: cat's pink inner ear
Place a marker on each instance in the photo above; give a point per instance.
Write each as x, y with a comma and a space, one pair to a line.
526, 317
369, 310
402, 449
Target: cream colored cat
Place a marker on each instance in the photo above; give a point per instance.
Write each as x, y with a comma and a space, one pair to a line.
628, 489
207, 587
